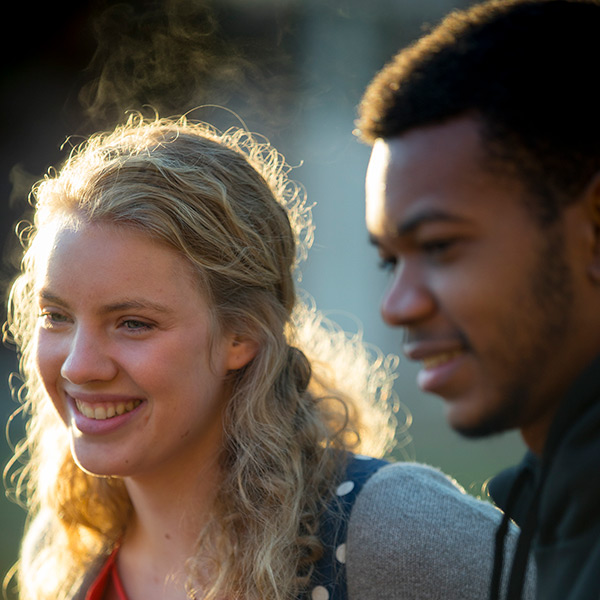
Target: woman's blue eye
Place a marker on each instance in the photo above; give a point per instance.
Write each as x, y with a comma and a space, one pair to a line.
135, 325
53, 317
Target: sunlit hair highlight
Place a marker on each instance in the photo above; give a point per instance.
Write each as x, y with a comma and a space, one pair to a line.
226, 203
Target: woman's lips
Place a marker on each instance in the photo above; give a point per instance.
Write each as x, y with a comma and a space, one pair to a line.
105, 410
100, 414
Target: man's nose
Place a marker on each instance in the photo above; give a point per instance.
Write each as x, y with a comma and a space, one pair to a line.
408, 301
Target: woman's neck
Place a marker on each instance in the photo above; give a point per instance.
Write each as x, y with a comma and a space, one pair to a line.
169, 512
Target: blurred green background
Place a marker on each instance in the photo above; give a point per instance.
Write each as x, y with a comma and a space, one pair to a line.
293, 70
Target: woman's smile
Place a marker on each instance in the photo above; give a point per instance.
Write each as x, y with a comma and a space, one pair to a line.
101, 412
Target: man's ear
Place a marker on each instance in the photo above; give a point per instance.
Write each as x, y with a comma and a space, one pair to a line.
240, 352
592, 203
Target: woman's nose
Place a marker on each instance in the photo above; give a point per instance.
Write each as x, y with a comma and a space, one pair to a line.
88, 359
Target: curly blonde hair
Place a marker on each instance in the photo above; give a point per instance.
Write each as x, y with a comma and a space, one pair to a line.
226, 203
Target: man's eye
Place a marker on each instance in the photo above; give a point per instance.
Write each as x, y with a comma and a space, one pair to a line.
388, 263
437, 246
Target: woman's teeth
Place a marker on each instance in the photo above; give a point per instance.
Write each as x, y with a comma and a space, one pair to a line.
105, 411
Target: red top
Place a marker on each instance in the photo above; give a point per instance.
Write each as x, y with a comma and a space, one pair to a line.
107, 574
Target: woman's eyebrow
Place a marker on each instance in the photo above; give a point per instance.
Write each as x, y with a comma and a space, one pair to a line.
50, 297
136, 304
127, 304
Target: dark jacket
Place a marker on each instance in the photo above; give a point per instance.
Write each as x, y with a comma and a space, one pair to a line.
556, 499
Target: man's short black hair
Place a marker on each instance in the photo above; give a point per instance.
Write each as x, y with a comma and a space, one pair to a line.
527, 69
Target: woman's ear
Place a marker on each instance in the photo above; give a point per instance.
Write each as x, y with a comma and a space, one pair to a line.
240, 352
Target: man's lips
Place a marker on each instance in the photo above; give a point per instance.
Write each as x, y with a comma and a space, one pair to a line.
430, 362
433, 352
442, 364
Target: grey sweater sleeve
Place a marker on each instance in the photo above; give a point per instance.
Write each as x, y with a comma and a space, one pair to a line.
415, 535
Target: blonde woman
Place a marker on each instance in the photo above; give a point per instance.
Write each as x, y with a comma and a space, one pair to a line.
192, 424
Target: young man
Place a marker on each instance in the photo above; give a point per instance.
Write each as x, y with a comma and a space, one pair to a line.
483, 198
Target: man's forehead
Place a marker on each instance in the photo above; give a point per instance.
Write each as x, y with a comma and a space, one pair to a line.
427, 166
376, 184
435, 143
394, 176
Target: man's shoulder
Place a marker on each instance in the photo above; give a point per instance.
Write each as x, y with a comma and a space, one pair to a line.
419, 499
407, 520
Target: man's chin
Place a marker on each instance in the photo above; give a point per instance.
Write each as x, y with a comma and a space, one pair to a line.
468, 420
492, 425
481, 430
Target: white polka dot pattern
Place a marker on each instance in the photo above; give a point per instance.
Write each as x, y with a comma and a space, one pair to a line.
345, 488
329, 581
340, 553
320, 593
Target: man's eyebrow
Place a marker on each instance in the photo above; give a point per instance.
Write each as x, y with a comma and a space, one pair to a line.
411, 224
128, 304
428, 216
